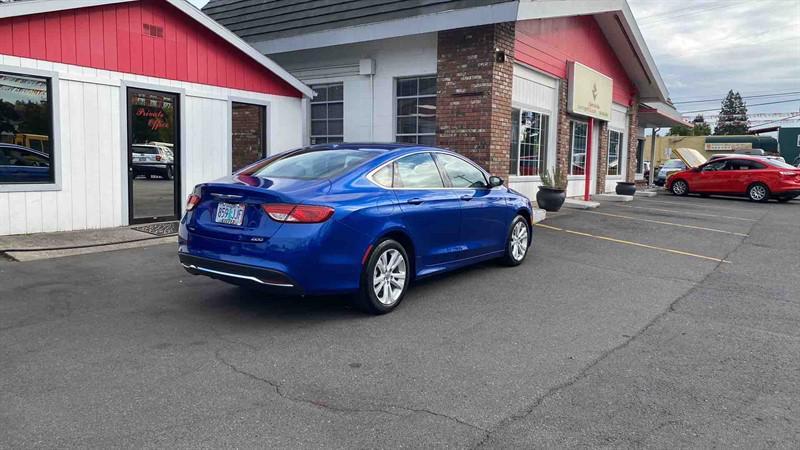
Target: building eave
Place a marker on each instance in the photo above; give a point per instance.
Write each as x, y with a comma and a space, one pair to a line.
15, 9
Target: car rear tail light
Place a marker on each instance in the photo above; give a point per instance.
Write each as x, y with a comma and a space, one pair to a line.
158, 157
192, 202
284, 212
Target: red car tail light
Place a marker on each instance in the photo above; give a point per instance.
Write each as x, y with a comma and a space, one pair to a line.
284, 212
158, 157
192, 202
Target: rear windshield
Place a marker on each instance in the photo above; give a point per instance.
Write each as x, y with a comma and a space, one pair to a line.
315, 164
145, 150
780, 164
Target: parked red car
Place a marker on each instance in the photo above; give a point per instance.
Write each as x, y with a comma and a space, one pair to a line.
757, 178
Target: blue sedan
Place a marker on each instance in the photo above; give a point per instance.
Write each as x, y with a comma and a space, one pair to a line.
352, 218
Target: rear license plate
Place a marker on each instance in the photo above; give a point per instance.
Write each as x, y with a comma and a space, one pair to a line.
230, 214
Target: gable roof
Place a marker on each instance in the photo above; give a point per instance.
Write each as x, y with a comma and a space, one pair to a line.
263, 20
24, 8
277, 26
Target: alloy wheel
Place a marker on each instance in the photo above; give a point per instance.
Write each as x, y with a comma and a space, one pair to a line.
679, 187
519, 241
389, 277
758, 192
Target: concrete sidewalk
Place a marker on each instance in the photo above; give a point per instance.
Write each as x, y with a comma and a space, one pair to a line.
30, 247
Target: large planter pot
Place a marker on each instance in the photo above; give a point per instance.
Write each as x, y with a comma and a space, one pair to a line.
625, 188
550, 199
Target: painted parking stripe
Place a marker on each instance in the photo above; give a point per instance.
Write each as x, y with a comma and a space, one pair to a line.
647, 208
700, 205
635, 244
661, 222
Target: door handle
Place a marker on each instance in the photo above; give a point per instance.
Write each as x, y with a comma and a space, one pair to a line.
414, 201
466, 197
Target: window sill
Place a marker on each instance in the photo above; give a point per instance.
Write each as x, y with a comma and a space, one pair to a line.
44, 187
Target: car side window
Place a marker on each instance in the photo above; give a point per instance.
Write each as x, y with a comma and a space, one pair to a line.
384, 176
715, 166
417, 172
461, 173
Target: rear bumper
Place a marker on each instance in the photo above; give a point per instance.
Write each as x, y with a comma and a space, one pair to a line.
272, 280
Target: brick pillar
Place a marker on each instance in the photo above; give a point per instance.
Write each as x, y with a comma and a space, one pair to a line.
473, 103
563, 128
602, 155
633, 129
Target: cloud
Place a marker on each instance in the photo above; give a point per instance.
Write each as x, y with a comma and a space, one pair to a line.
705, 48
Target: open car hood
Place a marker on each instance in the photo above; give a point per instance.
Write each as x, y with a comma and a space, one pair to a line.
690, 156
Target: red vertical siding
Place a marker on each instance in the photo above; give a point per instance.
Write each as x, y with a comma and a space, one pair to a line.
112, 37
547, 44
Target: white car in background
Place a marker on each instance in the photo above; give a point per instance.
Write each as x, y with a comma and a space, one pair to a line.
151, 159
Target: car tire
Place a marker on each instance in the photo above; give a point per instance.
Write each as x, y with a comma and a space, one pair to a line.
679, 188
170, 173
379, 295
517, 242
758, 192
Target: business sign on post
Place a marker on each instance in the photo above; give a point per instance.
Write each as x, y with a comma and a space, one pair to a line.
589, 92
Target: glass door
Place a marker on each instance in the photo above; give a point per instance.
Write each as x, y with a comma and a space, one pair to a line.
153, 156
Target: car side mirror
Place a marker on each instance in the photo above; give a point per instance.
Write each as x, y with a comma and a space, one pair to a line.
495, 181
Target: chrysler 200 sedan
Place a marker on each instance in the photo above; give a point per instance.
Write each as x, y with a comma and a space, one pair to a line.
365, 219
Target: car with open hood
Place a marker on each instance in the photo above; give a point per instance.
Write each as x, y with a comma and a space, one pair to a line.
757, 178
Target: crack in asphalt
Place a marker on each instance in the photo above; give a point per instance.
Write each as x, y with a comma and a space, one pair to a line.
583, 373
387, 409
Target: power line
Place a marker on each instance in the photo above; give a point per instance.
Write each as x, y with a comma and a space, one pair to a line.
747, 96
779, 120
754, 104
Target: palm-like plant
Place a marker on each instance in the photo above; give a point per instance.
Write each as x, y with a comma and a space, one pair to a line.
557, 181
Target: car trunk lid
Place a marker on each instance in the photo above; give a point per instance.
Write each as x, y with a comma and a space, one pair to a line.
249, 193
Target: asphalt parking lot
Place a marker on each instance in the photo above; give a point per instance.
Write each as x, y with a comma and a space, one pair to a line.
666, 322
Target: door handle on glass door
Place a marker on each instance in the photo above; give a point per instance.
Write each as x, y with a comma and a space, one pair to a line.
414, 201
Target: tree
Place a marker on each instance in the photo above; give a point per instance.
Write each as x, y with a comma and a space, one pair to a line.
732, 115
701, 127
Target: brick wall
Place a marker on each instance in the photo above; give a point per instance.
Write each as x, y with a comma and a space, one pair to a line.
563, 127
247, 131
473, 105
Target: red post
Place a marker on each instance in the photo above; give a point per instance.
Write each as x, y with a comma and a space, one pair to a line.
587, 163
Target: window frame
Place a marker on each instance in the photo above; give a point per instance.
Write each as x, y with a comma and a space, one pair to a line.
396, 100
54, 129
544, 144
573, 122
311, 120
619, 153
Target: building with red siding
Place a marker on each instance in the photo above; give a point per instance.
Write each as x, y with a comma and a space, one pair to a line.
517, 85
112, 110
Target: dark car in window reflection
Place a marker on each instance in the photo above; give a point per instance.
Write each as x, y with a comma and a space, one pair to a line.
20, 164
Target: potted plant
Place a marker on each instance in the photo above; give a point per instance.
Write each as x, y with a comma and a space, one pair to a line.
553, 190
626, 188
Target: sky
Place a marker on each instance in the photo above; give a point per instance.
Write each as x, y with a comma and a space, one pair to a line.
703, 48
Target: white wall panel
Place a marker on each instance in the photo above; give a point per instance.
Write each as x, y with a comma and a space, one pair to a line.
92, 150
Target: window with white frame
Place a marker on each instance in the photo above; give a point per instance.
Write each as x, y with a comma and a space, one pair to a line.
416, 110
614, 152
528, 142
327, 113
578, 143
26, 129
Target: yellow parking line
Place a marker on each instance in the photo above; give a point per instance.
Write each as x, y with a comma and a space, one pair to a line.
687, 212
661, 222
635, 244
